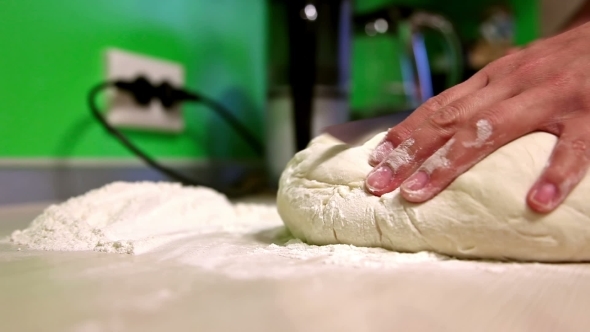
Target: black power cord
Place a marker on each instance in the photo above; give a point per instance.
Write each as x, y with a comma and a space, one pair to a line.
144, 92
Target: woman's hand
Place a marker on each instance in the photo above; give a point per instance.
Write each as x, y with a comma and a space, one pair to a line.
544, 87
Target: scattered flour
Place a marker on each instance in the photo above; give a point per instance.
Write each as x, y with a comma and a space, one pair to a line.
196, 226
344, 254
484, 131
401, 155
439, 158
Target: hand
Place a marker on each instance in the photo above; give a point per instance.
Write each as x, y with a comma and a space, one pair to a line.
544, 87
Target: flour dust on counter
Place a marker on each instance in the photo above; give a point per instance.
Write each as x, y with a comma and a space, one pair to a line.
260, 254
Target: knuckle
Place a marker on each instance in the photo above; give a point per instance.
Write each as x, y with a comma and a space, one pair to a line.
489, 127
485, 77
397, 135
579, 148
495, 116
445, 119
435, 103
579, 145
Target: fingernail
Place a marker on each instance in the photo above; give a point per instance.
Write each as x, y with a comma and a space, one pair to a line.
545, 194
381, 151
416, 182
379, 178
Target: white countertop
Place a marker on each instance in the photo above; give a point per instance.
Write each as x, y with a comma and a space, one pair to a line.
89, 291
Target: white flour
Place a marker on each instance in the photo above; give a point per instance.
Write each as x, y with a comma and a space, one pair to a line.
401, 155
195, 226
484, 131
439, 158
344, 254
128, 218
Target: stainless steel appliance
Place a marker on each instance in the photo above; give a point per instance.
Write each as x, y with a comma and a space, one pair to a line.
309, 72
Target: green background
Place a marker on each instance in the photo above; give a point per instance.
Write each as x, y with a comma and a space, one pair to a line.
51, 53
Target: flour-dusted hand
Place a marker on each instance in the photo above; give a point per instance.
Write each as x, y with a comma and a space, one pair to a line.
544, 87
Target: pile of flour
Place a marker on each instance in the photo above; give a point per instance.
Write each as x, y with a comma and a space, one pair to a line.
133, 218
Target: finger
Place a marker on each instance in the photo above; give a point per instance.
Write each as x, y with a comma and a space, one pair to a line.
487, 132
431, 136
493, 72
567, 166
396, 135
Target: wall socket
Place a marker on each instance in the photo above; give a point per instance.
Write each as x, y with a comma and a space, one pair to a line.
122, 109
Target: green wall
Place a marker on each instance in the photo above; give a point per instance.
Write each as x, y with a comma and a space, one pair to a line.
51, 53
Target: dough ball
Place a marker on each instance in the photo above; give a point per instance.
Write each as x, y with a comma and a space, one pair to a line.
482, 214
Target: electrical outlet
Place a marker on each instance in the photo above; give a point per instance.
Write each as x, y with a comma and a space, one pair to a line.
123, 111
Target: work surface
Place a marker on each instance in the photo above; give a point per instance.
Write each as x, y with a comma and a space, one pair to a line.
264, 288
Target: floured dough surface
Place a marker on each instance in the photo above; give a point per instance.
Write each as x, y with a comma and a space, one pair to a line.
482, 214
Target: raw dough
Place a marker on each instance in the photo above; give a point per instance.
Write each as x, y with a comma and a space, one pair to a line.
482, 214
